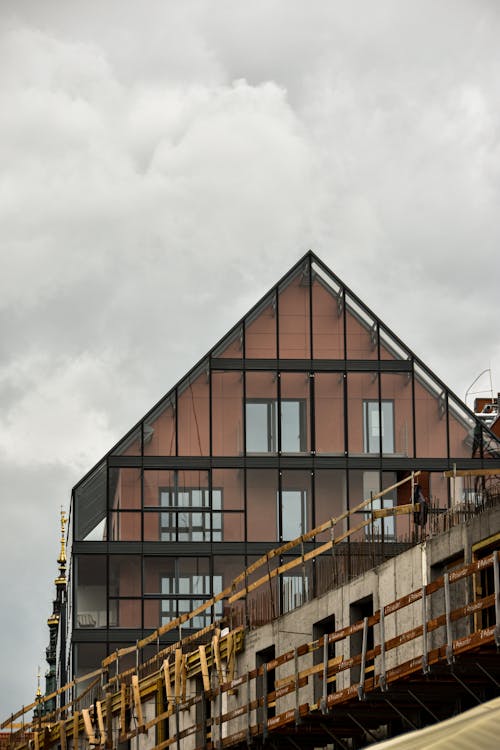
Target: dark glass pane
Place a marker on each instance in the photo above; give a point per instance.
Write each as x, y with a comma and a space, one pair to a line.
430, 415
465, 432
294, 389
260, 331
230, 484
261, 412
330, 499
193, 400
293, 513
378, 426
159, 430
397, 390
329, 412
86, 658
125, 613
362, 400
290, 426
90, 591
125, 489
262, 489
125, 526
261, 426
90, 506
294, 316
124, 575
186, 507
294, 501
328, 317
362, 334
227, 413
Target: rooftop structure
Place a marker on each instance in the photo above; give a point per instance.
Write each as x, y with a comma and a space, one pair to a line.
308, 405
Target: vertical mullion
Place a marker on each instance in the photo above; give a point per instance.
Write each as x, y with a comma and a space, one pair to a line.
210, 406
311, 348
312, 415
414, 411
211, 558
142, 545
280, 507
277, 313
277, 421
447, 412
278, 375
280, 537
176, 401
108, 516
346, 421
380, 420
244, 422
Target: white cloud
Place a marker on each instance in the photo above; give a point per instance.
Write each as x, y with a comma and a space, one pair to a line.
161, 170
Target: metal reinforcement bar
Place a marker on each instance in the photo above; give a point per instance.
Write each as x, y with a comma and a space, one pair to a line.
196, 692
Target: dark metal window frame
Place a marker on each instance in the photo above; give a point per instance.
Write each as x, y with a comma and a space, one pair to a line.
274, 423
209, 531
280, 510
169, 602
367, 423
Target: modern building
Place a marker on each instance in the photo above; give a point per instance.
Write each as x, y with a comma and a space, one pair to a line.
309, 404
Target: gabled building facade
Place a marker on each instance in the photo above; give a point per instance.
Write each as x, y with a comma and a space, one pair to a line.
309, 404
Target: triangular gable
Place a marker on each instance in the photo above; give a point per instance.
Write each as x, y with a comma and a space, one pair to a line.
310, 315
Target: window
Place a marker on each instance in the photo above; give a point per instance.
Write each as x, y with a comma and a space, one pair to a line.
385, 525
294, 590
262, 426
184, 593
189, 517
292, 514
373, 421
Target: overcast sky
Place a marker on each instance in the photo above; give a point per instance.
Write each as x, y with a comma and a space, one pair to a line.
163, 163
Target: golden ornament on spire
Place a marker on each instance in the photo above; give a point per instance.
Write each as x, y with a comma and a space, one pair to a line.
61, 578
38, 691
64, 521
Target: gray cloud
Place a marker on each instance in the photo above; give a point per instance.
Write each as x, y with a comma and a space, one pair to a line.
161, 170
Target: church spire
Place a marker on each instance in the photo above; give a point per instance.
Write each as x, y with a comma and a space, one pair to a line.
61, 579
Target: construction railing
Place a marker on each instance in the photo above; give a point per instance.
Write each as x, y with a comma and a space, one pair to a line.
362, 522
200, 694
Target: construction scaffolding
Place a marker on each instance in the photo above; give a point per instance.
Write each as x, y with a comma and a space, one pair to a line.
415, 660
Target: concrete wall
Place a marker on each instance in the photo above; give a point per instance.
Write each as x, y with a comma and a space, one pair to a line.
395, 578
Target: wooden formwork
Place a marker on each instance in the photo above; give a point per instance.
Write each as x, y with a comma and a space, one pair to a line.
201, 699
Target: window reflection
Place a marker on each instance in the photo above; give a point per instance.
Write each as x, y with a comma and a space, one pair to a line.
293, 513
375, 421
187, 521
262, 425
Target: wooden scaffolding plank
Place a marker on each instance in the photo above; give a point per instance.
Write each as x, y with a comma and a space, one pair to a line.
89, 729
137, 701
100, 722
471, 473
183, 677
216, 658
204, 668
109, 720
168, 682
62, 735
177, 674
76, 727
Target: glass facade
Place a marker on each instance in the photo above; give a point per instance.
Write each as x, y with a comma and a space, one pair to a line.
307, 407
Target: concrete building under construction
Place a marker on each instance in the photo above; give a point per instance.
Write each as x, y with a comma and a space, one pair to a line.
297, 546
